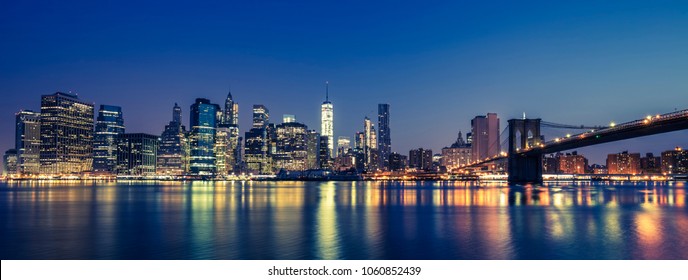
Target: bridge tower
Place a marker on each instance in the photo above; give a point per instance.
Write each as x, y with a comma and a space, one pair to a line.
524, 162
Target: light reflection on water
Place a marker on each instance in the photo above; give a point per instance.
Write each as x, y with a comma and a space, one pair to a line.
343, 220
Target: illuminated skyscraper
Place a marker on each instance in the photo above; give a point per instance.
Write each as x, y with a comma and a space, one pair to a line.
384, 143
327, 121
231, 112
227, 139
292, 147
109, 124
257, 158
28, 142
261, 115
66, 134
485, 136
203, 127
172, 153
369, 145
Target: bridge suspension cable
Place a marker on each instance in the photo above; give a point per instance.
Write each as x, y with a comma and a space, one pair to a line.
568, 126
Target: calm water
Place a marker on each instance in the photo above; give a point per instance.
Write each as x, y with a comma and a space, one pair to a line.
343, 220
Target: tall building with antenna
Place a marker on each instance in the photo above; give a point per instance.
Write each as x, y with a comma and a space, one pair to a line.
327, 121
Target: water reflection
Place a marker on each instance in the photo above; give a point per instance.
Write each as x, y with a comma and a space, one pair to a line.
342, 220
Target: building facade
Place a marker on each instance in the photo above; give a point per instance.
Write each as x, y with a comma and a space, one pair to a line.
256, 158
572, 163
397, 162
623, 163
137, 154
292, 147
456, 155
651, 164
675, 161
420, 159
66, 134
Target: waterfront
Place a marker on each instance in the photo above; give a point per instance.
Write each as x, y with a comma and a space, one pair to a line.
343, 220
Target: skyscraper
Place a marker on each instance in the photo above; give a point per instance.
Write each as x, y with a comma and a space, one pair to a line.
292, 147
137, 154
369, 145
28, 141
227, 139
384, 143
231, 112
325, 159
203, 124
172, 152
261, 115
66, 134
109, 124
485, 136
359, 151
327, 121
257, 143
313, 149
256, 157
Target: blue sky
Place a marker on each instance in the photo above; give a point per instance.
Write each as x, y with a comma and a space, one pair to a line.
438, 63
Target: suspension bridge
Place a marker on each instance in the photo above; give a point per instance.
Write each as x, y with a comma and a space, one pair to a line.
525, 145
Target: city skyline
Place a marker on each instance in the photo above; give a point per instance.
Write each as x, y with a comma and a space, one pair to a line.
437, 74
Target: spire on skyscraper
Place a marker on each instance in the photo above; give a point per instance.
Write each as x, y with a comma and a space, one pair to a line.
327, 120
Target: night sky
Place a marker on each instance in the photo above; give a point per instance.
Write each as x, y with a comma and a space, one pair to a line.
437, 63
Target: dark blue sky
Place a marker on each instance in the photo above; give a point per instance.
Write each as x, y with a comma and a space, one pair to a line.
438, 63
